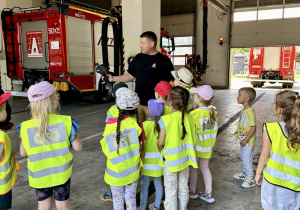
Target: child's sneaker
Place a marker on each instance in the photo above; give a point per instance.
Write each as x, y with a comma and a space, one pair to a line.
151, 207
207, 197
248, 184
107, 196
193, 195
241, 175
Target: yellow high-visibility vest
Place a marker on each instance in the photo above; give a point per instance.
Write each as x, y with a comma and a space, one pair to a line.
49, 164
114, 111
122, 168
152, 155
191, 100
9, 165
178, 153
206, 133
283, 166
167, 110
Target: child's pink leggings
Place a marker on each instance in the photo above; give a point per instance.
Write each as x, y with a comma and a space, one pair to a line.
204, 167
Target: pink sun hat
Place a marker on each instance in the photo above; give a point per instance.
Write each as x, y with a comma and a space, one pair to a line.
204, 91
42, 90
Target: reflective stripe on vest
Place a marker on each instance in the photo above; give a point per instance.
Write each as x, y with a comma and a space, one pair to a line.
125, 156
6, 179
152, 167
152, 155
178, 162
122, 168
179, 149
122, 174
50, 154
6, 166
283, 167
50, 171
49, 164
178, 153
204, 149
206, 136
283, 176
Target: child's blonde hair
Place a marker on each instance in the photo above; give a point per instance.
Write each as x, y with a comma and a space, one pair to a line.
40, 111
289, 102
212, 115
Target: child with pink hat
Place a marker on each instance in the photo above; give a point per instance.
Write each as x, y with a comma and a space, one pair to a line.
162, 90
46, 140
206, 133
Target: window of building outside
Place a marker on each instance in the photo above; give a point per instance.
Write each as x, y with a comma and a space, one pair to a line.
270, 14
266, 14
183, 45
293, 12
244, 16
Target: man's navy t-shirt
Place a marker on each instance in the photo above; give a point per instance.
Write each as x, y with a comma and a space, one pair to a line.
149, 70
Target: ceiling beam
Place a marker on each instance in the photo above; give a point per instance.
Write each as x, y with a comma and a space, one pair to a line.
220, 6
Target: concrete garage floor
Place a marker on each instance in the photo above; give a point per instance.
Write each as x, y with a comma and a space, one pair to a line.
89, 164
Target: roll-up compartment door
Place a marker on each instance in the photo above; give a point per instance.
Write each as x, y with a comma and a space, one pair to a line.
80, 46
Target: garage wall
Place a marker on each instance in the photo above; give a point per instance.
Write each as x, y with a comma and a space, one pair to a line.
266, 33
218, 26
179, 25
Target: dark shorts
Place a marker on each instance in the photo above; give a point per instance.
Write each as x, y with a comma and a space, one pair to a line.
61, 192
5, 201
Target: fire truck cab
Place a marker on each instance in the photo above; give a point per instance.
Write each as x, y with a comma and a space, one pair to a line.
272, 64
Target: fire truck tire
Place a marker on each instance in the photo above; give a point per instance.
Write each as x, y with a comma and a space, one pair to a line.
287, 85
260, 84
257, 84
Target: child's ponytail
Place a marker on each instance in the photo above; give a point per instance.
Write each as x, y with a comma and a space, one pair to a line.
212, 115
121, 113
289, 103
182, 123
179, 97
136, 113
156, 127
294, 127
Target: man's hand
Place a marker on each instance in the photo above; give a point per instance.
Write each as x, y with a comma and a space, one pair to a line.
110, 77
244, 142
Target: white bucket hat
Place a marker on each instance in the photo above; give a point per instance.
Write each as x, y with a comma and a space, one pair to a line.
184, 76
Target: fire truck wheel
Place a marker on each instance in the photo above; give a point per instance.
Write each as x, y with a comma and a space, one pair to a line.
287, 85
260, 84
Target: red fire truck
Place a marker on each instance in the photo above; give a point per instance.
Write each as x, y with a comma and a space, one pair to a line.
61, 45
272, 64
